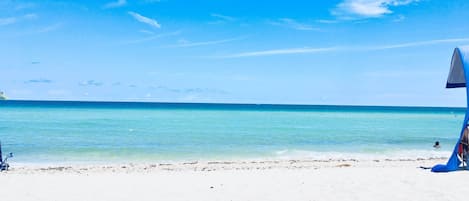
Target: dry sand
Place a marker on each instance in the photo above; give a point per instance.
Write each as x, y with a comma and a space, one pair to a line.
250, 180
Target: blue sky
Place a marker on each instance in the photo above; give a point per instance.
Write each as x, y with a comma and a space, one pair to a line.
352, 52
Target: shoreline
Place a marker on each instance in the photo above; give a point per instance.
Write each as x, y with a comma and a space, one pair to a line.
296, 155
219, 165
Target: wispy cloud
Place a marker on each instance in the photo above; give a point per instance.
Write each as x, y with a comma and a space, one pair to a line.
418, 43
327, 21
22, 6
13, 20
91, 83
50, 28
41, 30
147, 32
353, 9
185, 43
7, 21
281, 52
146, 20
343, 48
38, 81
399, 18
293, 24
387, 74
223, 17
29, 16
150, 38
115, 4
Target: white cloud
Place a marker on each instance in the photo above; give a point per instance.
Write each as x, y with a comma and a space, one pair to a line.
350, 48
185, 43
281, 52
50, 28
30, 16
418, 43
115, 4
153, 37
7, 21
13, 20
223, 17
147, 32
399, 74
399, 18
327, 21
291, 23
352, 9
22, 6
145, 20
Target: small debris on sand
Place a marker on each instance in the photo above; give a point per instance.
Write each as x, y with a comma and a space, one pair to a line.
344, 165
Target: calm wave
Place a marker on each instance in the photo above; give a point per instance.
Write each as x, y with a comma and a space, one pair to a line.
58, 131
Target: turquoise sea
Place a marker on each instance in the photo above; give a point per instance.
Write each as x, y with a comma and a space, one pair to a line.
83, 132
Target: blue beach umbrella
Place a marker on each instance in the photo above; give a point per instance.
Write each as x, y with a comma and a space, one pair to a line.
458, 73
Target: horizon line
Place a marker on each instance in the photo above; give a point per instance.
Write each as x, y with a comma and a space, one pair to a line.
228, 103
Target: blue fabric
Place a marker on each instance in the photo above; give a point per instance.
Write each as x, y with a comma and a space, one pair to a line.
440, 168
455, 85
453, 162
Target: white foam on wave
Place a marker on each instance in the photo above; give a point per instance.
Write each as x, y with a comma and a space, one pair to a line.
392, 155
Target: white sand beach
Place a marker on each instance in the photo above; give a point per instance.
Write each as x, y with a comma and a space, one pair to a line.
248, 180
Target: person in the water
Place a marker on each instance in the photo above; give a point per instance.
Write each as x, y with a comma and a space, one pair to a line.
437, 145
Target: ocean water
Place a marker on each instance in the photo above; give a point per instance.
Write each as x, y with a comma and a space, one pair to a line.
83, 132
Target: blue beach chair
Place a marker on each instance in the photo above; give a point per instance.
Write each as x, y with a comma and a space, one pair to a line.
3, 163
